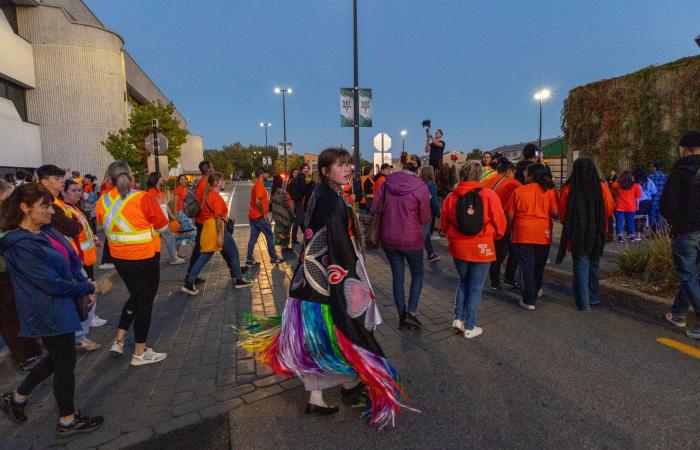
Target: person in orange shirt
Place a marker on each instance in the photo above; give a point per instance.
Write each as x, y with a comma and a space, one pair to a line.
626, 194
530, 211
215, 209
585, 207
504, 184
130, 218
473, 254
257, 216
155, 184
380, 178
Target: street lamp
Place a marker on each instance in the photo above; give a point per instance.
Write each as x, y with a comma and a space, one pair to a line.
403, 141
541, 96
284, 120
265, 125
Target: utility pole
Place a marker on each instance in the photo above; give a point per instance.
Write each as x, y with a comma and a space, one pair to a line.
356, 96
154, 131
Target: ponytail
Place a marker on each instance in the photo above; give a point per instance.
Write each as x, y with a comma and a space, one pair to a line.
212, 179
121, 177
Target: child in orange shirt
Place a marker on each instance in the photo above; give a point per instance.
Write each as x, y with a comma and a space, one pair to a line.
626, 193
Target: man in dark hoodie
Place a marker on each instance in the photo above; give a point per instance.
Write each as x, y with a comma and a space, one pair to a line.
680, 206
530, 156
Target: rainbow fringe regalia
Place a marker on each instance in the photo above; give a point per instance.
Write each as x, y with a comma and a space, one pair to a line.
330, 332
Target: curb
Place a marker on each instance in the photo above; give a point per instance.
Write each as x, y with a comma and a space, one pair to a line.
651, 306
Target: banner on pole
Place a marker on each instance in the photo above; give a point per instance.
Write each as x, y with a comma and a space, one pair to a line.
347, 109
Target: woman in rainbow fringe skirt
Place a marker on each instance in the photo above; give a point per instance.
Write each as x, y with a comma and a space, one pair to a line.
326, 334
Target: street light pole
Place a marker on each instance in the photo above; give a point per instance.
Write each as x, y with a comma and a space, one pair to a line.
541, 96
539, 139
356, 96
284, 121
265, 125
403, 141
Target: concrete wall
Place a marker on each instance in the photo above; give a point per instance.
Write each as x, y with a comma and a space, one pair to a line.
81, 87
16, 56
20, 142
191, 154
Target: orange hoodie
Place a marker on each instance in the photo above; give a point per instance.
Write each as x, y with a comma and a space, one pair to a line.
477, 248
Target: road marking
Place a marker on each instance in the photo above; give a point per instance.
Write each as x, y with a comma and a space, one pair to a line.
683, 348
230, 198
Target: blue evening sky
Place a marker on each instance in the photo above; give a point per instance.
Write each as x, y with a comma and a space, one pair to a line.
469, 66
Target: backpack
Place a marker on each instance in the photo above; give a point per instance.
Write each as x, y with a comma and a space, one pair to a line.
191, 205
470, 213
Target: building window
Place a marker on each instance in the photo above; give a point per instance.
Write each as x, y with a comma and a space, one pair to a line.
15, 94
10, 11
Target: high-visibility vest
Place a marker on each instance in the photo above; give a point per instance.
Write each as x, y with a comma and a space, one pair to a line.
64, 209
129, 232
86, 238
347, 193
368, 195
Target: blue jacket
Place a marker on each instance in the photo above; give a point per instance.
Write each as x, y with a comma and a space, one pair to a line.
45, 286
434, 206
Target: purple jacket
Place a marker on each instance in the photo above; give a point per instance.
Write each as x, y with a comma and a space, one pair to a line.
406, 210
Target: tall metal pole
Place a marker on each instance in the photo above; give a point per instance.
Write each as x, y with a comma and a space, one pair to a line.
403, 144
356, 95
265, 136
284, 126
154, 130
539, 140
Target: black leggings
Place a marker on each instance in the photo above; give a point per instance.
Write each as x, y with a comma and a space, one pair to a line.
61, 363
141, 278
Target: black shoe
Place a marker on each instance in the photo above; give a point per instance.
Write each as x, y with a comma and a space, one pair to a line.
199, 280
512, 283
353, 390
411, 318
14, 411
433, 257
241, 283
27, 366
322, 410
276, 260
252, 263
189, 288
81, 424
404, 325
244, 270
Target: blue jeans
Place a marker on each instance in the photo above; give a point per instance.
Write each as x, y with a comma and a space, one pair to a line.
624, 219
532, 259
472, 276
428, 242
258, 226
686, 259
415, 265
586, 282
229, 249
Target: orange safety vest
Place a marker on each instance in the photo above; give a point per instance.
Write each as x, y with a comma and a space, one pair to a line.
129, 233
64, 209
347, 193
86, 238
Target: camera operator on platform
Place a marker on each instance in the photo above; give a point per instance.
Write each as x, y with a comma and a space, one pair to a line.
435, 146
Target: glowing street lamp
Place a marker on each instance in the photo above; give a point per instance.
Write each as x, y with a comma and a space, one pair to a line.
541, 96
279, 90
403, 141
265, 125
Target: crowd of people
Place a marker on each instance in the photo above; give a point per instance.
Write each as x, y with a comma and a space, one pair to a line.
491, 212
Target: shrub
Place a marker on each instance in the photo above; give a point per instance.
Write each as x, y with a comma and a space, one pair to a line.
660, 268
634, 259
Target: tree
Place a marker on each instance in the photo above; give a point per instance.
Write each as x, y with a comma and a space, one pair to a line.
128, 144
294, 161
476, 154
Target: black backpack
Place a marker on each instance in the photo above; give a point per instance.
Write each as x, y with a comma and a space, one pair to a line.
190, 204
470, 213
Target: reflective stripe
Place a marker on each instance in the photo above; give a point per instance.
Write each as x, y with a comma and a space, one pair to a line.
113, 216
87, 245
132, 237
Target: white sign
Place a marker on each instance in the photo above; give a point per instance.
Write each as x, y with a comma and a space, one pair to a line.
162, 164
162, 143
378, 160
280, 148
382, 142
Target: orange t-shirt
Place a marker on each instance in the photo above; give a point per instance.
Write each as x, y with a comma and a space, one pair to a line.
375, 186
180, 193
504, 190
259, 192
87, 188
532, 211
626, 200
214, 206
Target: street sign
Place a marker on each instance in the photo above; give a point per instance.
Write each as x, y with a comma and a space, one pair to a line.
382, 142
162, 143
280, 148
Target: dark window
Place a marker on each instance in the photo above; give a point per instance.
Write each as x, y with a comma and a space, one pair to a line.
8, 7
15, 94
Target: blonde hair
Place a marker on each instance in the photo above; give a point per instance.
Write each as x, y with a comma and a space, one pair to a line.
427, 173
471, 171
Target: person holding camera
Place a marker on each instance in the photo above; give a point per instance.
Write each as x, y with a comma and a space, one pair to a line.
434, 146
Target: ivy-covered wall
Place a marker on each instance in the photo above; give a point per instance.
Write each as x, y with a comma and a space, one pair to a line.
634, 119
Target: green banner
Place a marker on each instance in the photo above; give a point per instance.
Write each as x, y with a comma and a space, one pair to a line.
347, 109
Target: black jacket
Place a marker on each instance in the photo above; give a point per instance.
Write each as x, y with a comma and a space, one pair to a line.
521, 168
680, 201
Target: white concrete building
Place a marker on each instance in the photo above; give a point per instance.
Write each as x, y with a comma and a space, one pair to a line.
65, 83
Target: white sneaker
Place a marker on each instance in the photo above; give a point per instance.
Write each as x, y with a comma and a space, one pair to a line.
117, 348
97, 322
435, 237
540, 293
458, 326
177, 261
106, 266
86, 345
150, 356
474, 332
526, 306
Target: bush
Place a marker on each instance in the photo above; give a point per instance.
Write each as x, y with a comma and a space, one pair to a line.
634, 259
660, 268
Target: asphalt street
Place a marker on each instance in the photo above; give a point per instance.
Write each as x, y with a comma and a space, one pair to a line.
552, 378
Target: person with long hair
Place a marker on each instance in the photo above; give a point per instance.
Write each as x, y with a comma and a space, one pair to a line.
326, 334
488, 163
585, 208
154, 187
129, 218
186, 230
472, 254
626, 193
405, 202
282, 212
47, 277
214, 236
427, 174
648, 189
24, 351
530, 211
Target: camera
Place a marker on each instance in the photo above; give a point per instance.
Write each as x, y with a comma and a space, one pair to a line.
426, 124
